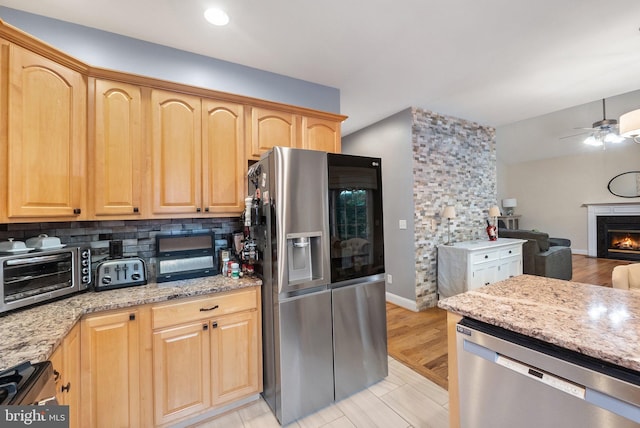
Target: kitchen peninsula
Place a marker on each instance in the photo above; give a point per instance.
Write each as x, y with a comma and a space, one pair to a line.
598, 322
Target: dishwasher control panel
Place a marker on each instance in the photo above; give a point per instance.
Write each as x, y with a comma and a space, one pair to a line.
546, 378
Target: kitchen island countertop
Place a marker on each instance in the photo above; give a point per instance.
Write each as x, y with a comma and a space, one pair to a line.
597, 321
32, 334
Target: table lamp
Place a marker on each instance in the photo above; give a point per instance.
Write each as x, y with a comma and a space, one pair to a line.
509, 204
494, 212
449, 212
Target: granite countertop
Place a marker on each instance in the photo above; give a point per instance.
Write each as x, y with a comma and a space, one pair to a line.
598, 321
32, 334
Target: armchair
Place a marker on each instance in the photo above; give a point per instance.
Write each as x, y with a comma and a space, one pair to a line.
541, 255
626, 277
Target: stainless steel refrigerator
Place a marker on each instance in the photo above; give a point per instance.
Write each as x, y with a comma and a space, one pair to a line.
306, 317
357, 272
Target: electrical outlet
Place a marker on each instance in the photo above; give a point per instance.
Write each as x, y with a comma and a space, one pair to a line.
390, 278
402, 224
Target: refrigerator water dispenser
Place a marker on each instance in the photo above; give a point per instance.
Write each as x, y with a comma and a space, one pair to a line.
304, 257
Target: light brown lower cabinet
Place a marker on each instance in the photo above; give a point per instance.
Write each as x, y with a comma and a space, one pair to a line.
203, 361
66, 366
110, 364
155, 365
181, 371
235, 358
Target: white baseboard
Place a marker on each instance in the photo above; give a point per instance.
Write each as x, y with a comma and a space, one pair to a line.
580, 252
402, 302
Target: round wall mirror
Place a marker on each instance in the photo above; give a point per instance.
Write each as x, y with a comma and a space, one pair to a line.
625, 185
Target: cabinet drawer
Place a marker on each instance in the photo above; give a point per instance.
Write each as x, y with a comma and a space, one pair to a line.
169, 314
485, 256
510, 252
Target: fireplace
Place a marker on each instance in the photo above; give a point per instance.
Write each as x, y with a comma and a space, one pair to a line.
619, 237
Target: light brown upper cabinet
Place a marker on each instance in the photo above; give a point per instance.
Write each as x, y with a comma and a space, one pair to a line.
223, 161
269, 128
116, 153
176, 150
321, 134
197, 155
153, 148
46, 138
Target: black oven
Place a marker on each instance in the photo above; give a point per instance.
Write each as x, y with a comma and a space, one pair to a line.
40, 276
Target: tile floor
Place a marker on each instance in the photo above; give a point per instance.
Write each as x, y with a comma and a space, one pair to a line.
404, 399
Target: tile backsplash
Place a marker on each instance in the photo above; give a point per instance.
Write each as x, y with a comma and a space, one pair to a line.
138, 236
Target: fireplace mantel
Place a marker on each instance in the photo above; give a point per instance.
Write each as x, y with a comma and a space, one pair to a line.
600, 209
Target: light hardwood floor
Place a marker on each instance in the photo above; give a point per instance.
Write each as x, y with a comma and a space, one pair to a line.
419, 340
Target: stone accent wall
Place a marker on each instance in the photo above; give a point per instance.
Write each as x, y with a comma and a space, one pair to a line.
138, 236
454, 163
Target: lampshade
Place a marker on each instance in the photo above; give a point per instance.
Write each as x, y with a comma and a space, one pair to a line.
494, 211
509, 203
630, 125
449, 212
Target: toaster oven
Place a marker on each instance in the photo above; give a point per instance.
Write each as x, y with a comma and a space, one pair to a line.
41, 276
185, 255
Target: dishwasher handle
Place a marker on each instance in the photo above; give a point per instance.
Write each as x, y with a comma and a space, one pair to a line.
526, 370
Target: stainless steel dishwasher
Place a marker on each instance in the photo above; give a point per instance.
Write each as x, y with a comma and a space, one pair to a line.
509, 380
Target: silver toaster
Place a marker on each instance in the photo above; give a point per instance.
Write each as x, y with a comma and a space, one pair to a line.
120, 273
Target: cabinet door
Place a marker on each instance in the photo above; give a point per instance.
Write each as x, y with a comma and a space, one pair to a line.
223, 167
271, 128
483, 274
116, 152
235, 357
321, 134
46, 138
175, 153
57, 360
110, 370
509, 267
181, 371
71, 375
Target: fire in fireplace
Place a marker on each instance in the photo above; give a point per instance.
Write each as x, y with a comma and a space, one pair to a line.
619, 237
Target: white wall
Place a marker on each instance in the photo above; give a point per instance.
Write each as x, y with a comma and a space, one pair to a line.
551, 192
390, 140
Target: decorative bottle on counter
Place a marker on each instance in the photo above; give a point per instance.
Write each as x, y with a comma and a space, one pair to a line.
225, 266
491, 231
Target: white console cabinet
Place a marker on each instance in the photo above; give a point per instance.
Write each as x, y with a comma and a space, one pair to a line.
468, 265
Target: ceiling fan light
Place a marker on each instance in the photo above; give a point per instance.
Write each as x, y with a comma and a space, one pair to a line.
614, 138
591, 140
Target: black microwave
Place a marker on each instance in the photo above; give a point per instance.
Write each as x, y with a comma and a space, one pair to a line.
185, 256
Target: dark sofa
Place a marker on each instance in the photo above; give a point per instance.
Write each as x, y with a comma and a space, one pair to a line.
541, 255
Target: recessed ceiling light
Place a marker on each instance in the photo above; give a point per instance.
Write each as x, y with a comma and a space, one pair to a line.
216, 16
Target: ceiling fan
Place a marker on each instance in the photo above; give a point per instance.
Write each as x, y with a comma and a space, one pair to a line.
602, 131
